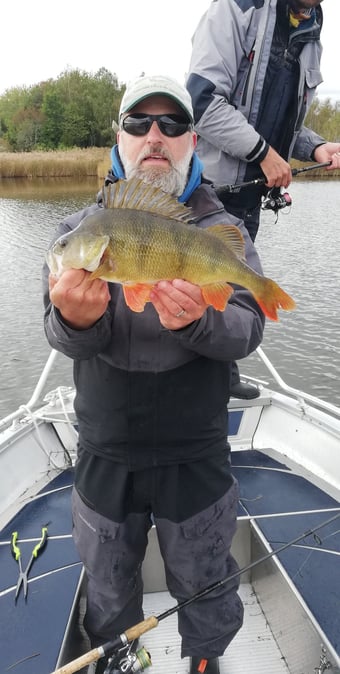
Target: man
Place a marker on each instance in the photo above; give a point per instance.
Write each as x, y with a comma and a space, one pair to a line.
151, 402
253, 73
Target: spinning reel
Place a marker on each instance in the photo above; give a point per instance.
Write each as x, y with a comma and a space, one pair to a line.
127, 659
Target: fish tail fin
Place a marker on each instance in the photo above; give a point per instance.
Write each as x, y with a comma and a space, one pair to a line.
271, 298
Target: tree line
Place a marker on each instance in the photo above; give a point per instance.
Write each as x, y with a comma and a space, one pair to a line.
74, 110
77, 110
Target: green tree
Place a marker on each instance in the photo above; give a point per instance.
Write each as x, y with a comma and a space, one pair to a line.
53, 113
27, 124
12, 102
76, 109
76, 126
107, 95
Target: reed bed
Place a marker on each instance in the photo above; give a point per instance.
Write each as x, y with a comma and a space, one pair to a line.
76, 163
73, 163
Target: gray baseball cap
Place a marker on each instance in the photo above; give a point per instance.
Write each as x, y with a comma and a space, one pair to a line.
146, 86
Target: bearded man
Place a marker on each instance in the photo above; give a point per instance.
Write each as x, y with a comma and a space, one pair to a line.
151, 394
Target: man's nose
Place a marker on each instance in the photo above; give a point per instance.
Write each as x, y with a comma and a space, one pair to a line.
154, 133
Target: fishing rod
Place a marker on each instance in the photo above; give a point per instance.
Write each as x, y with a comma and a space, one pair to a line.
141, 660
221, 190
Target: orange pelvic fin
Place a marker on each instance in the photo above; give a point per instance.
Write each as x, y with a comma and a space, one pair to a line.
273, 298
137, 295
217, 294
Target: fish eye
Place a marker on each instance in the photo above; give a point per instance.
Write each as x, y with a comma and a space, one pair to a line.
63, 243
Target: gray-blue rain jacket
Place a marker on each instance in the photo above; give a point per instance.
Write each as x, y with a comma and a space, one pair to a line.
226, 86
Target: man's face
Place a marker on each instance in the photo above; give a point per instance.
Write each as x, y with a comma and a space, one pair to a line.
299, 5
156, 158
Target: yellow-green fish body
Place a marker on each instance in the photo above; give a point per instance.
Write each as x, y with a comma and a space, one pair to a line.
144, 236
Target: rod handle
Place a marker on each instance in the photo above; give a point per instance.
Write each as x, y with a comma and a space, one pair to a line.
139, 629
79, 663
96, 653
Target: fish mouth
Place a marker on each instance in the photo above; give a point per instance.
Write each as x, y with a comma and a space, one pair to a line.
54, 263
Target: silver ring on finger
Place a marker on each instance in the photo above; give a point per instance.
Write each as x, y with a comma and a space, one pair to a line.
180, 313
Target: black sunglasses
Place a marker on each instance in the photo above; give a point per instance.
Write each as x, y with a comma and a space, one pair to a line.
139, 124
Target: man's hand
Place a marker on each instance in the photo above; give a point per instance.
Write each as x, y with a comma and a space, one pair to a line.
178, 303
80, 301
277, 171
328, 152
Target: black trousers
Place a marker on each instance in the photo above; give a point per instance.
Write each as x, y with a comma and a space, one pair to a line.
194, 508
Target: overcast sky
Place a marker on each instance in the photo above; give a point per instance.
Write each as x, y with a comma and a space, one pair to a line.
40, 40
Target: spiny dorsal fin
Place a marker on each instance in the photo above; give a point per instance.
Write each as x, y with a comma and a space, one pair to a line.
138, 195
231, 236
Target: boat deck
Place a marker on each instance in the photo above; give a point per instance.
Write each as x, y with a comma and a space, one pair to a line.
253, 649
274, 499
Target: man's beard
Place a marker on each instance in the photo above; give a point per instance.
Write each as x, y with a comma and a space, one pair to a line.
171, 180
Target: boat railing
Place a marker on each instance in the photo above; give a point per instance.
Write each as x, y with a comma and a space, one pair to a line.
36, 395
303, 397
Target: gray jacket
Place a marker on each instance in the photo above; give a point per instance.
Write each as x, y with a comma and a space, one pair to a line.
146, 395
226, 86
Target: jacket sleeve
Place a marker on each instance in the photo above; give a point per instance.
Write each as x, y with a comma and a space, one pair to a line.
76, 344
306, 142
234, 333
219, 56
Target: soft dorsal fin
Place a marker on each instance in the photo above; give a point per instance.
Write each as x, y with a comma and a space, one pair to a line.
138, 195
231, 237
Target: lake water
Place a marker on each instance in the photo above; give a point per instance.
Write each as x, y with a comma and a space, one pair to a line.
300, 251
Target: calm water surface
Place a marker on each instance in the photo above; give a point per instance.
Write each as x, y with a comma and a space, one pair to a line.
300, 251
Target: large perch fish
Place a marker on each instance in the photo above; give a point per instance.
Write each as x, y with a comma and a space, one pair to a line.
144, 235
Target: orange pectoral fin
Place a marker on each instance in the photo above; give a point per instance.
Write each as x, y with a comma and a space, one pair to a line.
137, 295
217, 294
